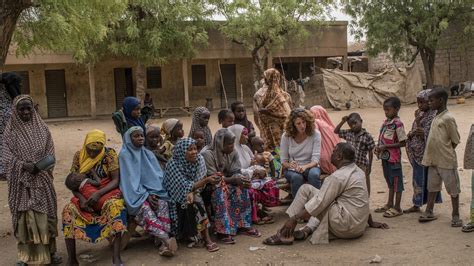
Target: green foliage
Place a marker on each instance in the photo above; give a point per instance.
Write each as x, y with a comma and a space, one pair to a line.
397, 26
150, 31
77, 26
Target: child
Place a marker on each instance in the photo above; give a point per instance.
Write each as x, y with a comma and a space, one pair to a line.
469, 164
260, 153
226, 118
198, 136
362, 141
154, 142
148, 101
440, 157
86, 185
391, 138
201, 117
173, 131
416, 144
238, 109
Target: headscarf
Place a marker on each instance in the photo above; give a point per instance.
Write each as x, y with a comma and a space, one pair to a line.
129, 104
180, 175
329, 139
195, 126
423, 94
28, 141
273, 80
95, 140
226, 163
244, 152
140, 174
168, 126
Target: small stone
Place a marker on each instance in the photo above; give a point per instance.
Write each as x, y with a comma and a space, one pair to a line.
376, 259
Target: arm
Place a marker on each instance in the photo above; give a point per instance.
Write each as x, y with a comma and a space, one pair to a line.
453, 132
338, 127
94, 180
272, 169
113, 184
371, 159
316, 152
83, 203
284, 152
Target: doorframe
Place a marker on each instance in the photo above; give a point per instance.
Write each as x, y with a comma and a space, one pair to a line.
65, 90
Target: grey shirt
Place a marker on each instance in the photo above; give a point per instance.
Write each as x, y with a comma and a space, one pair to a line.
303, 153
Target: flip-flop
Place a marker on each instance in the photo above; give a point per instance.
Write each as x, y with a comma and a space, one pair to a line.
251, 232
392, 212
382, 209
424, 218
229, 240
302, 233
276, 240
456, 222
412, 209
212, 247
467, 228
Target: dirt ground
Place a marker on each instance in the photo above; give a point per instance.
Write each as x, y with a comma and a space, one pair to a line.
406, 242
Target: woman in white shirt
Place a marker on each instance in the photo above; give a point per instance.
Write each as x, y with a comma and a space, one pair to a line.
300, 150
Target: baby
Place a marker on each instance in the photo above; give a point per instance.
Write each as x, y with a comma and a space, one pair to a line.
198, 136
259, 177
262, 157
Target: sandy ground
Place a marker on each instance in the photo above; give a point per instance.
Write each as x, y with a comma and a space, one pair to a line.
406, 242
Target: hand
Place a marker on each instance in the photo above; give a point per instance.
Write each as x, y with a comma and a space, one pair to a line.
344, 119
420, 132
300, 169
213, 179
190, 198
246, 183
84, 206
153, 201
93, 199
29, 167
289, 227
378, 225
253, 161
380, 148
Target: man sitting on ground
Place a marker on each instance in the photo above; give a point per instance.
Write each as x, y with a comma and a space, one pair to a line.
343, 199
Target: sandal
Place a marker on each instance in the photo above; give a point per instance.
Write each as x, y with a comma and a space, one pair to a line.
212, 247
467, 228
265, 220
229, 240
412, 209
392, 212
276, 240
382, 209
252, 232
56, 259
427, 217
456, 222
169, 247
302, 233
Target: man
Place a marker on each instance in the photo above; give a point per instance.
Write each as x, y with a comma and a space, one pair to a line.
343, 199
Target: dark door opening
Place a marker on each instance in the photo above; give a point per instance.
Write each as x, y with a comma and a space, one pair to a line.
229, 80
56, 93
123, 80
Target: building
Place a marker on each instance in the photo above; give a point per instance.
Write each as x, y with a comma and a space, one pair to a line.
62, 88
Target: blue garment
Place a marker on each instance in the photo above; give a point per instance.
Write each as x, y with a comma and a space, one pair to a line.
140, 174
420, 185
129, 104
296, 180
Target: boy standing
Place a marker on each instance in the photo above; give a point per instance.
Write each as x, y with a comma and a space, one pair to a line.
440, 157
391, 138
362, 141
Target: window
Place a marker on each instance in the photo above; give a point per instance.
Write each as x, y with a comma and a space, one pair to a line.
198, 73
153, 77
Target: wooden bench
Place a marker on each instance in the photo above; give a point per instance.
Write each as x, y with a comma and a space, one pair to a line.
163, 110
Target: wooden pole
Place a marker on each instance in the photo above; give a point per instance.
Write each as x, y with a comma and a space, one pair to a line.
185, 82
241, 93
92, 91
222, 84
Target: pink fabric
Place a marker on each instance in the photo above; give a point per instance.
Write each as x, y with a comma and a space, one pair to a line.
329, 139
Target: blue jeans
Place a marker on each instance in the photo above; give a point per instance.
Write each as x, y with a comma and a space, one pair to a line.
296, 180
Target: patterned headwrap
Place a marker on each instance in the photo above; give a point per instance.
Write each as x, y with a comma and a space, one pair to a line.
423, 94
180, 174
195, 126
94, 140
28, 141
168, 126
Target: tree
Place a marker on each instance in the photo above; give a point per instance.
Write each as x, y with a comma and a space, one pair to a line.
408, 28
263, 25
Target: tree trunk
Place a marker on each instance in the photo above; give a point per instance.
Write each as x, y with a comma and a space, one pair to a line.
258, 65
140, 75
428, 59
9, 13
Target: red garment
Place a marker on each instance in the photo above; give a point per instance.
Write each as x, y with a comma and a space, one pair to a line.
268, 196
87, 190
329, 139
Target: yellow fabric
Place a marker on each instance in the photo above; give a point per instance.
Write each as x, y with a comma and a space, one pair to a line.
86, 163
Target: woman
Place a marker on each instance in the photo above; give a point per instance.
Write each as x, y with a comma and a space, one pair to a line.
329, 139
300, 150
201, 117
185, 176
273, 108
144, 195
31, 194
268, 195
111, 222
131, 115
230, 198
10, 84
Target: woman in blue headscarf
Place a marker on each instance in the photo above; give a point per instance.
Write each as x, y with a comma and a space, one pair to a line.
140, 183
131, 115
